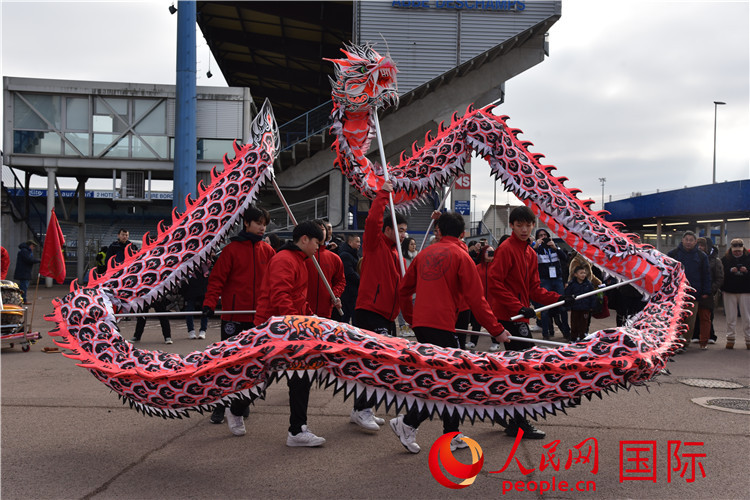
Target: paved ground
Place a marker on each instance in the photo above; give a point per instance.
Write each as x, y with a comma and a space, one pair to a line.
64, 435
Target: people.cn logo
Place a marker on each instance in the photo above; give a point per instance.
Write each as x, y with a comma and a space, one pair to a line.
441, 458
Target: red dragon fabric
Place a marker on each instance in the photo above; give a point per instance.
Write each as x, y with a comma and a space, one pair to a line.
397, 372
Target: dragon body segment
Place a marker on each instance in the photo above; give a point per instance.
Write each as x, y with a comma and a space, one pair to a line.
390, 371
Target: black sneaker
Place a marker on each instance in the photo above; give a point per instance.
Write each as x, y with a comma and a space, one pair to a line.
529, 431
217, 417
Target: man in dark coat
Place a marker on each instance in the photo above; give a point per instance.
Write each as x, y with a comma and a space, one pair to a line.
695, 264
117, 249
350, 257
25, 260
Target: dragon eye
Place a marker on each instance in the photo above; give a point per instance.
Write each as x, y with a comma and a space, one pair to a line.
362, 70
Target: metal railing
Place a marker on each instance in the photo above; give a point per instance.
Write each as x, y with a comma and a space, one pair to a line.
316, 208
311, 123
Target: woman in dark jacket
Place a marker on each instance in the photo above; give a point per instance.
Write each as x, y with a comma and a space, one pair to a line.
25, 260
736, 289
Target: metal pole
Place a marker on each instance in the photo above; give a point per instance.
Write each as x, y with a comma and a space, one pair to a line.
177, 313
716, 107
314, 260
390, 195
513, 337
432, 221
583, 295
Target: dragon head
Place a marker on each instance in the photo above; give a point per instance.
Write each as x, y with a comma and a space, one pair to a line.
365, 79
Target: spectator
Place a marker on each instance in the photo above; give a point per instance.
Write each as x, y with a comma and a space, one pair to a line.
579, 260
25, 261
580, 311
101, 261
716, 269
116, 250
333, 243
695, 264
474, 248
333, 269
350, 258
194, 292
4, 263
274, 240
409, 250
166, 329
551, 262
736, 290
236, 278
486, 256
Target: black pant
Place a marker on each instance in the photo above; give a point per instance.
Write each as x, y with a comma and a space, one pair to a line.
440, 338
374, 322
166, 330
230, 329
517, 330
462, 323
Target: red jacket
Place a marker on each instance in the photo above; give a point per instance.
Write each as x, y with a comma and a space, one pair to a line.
333, 269
380, 269
236, 277
284, 289
514, 280
4, 262
442, 275
483, 269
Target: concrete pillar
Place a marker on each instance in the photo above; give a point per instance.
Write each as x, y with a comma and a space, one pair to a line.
51, 177
336, 205
81, 261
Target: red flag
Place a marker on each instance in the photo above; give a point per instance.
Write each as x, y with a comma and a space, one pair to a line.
53, 261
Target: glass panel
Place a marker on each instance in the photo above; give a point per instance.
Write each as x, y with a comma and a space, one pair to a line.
214, 149
157, 143
120, 150
155, 122
79, 140
120, 106
76, 113
102, 123
101, 141
36, 143
24, 117
48, 106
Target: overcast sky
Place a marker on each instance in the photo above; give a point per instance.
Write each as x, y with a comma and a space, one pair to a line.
626, 94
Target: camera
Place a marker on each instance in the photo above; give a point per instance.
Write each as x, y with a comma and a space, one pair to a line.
546, 240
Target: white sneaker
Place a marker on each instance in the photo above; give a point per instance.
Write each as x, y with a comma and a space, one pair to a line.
304, 438
457, 443
363, 418
694, 341
378, 420
191, 335
470, 345
535, 328
408, 332
168, 340
406, 434
494, 347
202, 334
236, 423
711, 341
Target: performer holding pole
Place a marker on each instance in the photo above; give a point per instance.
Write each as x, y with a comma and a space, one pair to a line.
514, 282
386, 176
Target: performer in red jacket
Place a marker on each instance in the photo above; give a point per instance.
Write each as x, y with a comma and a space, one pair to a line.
377, 303
333, 269
236, 278
284, 292
513, 283
445, 279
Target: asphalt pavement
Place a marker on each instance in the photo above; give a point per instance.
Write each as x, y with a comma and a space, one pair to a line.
65, 435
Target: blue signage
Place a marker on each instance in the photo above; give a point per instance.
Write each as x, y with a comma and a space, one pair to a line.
493, 5
462, 206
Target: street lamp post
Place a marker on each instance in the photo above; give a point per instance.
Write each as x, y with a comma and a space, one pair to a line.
475, 209
602, 180
716, 107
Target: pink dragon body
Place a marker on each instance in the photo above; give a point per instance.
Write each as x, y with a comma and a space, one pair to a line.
391, 371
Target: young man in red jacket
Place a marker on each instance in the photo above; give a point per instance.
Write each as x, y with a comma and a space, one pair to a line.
377, 302
445, 279
513, 283
236, 278
284, 292
333, 269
